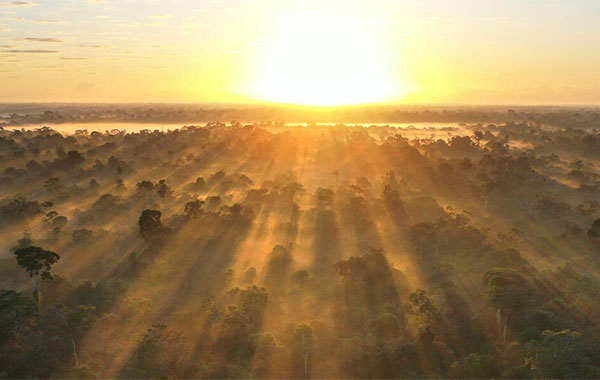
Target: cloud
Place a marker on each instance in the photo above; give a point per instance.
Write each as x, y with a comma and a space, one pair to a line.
22, 19
31, 51
17, 4
4, 28
72, 58
91, 46
96, 1
35, 39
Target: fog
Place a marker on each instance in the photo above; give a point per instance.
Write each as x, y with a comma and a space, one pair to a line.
421, 249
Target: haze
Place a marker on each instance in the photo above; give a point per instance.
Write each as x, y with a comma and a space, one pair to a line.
270, 189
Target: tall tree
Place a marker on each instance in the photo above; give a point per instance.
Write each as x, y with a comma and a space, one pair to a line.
303, 335
508, 291
37, 262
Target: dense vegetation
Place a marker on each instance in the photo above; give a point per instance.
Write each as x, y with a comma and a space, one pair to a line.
268, 251
60, 113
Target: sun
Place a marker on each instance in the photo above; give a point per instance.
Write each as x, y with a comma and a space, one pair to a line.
320, 58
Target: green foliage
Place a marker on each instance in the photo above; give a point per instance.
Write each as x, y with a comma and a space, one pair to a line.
302, 348
193, 209
160, 354
461, 208
300, 278
81, 236
151, 227
279, 266
253, 301
88, 294
563, 354
507, 289
36, 261
79, 372
15, 312
386, 325
519, 372
475, 366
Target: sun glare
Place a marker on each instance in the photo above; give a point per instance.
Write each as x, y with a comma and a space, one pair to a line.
322, 59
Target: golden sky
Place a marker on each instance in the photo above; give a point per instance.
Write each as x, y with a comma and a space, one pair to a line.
304, 51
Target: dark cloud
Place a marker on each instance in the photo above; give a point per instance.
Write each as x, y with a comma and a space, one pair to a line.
91, 46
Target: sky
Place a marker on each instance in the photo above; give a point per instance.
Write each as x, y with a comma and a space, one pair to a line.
324, 52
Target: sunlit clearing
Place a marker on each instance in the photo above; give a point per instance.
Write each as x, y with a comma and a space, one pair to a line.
322, 59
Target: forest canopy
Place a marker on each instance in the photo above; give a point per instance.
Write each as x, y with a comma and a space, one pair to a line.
272, 250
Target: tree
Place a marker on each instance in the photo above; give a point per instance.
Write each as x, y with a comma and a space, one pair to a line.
594, 231
475, 366
300, 278
369, 289
562, 355
508, 292
422, 306
234, 341
303, 344
393, 204
254, 302
52, 184
72, 159
279, 264
19, 210
249, 276
145, 186
160, 354
82, 235
478, 135
193, 209
69, 326
424, 237
385, 325
150, 224
15, 312
324, 198
163, 189
60, 221
37, 262
200, 184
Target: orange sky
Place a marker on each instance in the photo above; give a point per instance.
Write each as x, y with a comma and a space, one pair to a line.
304, 51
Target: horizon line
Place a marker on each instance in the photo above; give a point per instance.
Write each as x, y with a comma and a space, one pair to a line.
294, 105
